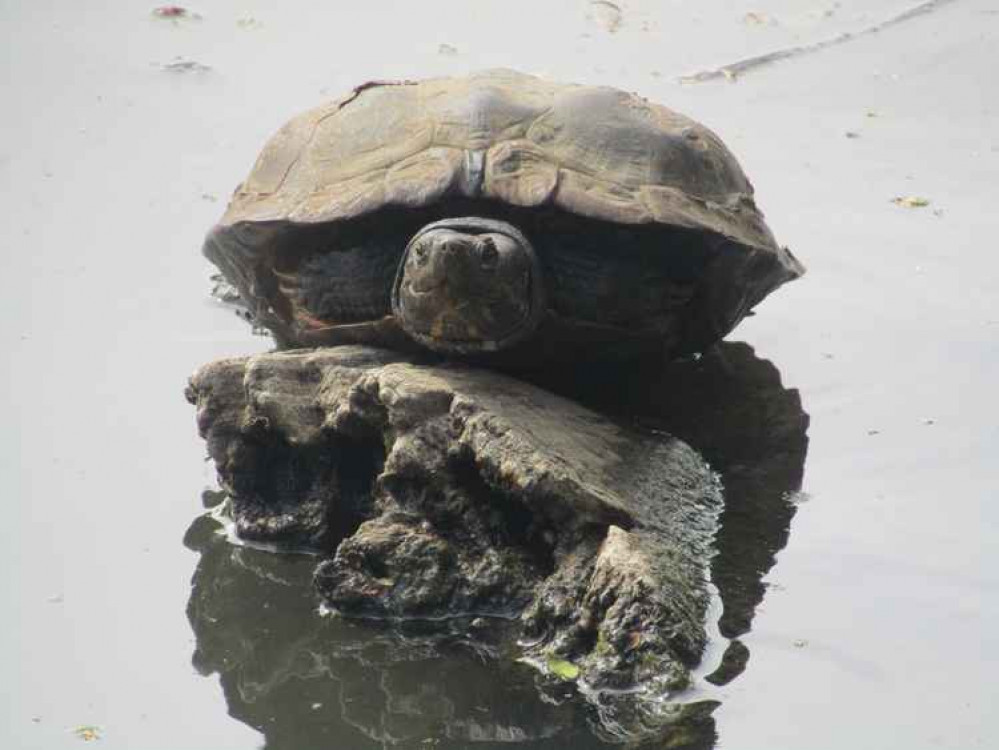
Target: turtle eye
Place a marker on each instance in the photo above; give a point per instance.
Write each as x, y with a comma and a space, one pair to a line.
488, 252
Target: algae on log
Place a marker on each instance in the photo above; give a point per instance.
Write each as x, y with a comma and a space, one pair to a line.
436, 491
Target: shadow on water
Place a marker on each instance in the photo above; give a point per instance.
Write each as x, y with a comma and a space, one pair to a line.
304, 680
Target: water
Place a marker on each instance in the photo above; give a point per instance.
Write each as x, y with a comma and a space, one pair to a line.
877, 623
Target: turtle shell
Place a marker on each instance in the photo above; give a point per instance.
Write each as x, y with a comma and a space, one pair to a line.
512, 141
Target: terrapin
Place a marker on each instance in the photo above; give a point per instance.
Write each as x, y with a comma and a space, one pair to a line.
498, 216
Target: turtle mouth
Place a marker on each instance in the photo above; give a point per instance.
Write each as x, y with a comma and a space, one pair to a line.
468, 285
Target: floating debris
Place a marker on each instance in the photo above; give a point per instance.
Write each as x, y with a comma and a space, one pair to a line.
88, 733
852, 134
870, 114
447, 49
606, 14
186, 66
563, 669
175, 13
740, 67
911, 201
208, 197
929, 421
248, 23
170, 11
800, 643
874, 432
726, 72
755, 18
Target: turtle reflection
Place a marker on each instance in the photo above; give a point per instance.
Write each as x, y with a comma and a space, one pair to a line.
731, 406
305, 680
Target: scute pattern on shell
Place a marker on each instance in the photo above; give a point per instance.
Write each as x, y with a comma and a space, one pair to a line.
593, 151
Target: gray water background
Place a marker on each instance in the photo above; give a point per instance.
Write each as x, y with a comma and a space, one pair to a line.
881, 620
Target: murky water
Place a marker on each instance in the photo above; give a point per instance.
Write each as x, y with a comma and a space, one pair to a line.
878, 621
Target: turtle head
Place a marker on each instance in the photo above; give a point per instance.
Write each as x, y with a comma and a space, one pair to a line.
468, 285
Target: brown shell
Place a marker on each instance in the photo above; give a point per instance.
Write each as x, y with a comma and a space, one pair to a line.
595, 151
500, 135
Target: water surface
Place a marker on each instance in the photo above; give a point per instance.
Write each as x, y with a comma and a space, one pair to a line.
877, 623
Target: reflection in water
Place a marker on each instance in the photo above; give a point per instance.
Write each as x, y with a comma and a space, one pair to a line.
731, 406
304, 680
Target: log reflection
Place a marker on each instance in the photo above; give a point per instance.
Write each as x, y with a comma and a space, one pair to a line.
305, 680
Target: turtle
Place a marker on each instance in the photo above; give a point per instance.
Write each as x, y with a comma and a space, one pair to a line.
498, 216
